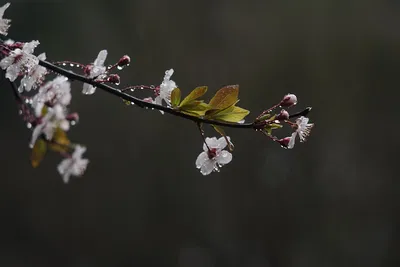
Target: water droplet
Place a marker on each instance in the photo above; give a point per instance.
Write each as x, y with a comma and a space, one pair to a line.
71, 65
27, 101
117, 83
141, 87
64, 64
20, 112
132, 89
29, 125
119, 67
73, 123
132, 103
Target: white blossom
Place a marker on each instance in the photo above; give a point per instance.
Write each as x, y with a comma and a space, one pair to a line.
96, 70
20, 60
55, 117
75, 165
57, 91
4, 23
211, 160
302, 129
34, 77
166, 88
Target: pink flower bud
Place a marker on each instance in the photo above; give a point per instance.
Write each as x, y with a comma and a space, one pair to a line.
284, 142
114, 78
288, 100
124, 61
72, 117
282, 116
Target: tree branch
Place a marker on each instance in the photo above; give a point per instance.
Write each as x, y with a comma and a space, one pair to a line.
143, 104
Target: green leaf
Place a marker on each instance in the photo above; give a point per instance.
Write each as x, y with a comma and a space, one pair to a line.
225, 97
231, 114
196, 93
60, 141
272, 126
222, 133
175, 97
197, 108
38, 152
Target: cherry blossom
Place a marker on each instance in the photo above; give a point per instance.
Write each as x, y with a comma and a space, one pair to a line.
46, 125
96, 70
166, 88
34, 77
57, 91
213, 157
74, 165
4, 23
20, 60
302, 129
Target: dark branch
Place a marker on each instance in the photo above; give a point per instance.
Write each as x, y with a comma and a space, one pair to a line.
143, 104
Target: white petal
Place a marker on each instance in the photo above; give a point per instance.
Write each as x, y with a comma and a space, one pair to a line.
207, 167
48, 130
13, 72
158, 100
201, 159
101, 58
221, 142
224, 157
30, 47
42, 56
6, 62
168, 74
211, 142
35, 134
64, 125
3, 8
88, 89
292, 139
78, 152
64, 169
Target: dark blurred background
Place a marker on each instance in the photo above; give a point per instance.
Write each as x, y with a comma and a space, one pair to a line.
333, 201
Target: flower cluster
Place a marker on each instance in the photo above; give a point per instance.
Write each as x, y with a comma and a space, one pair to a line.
47, 109
44, 105
266, 122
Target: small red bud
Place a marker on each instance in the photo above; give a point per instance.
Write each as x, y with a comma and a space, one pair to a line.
283, 115
284, 142
72, 117
288, 100
124, 61
114, 78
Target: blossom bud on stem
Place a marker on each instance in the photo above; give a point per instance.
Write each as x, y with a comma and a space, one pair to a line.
289, 100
